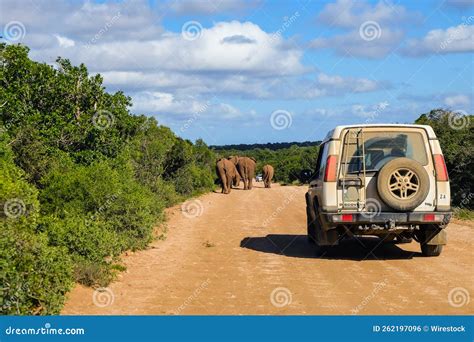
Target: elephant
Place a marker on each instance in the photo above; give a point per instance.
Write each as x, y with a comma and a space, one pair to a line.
227, 173
246, 169
268, 172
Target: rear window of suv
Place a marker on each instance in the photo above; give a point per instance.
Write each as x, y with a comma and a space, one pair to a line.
380, 148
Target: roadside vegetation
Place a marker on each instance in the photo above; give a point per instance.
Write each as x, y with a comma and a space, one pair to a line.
82, 179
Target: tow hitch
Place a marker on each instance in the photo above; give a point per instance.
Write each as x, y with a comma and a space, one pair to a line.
390, 224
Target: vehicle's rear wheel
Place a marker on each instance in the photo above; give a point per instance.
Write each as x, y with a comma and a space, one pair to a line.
403, 184
431, 250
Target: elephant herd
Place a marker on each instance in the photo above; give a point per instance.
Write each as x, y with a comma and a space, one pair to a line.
233, 169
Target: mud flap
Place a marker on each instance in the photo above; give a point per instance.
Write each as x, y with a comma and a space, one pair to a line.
322, 237
438, 239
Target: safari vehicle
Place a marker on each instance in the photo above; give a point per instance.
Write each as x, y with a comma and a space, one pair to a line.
259, 178
385, 180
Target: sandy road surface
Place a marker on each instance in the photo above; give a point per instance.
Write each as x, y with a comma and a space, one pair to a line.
246, 253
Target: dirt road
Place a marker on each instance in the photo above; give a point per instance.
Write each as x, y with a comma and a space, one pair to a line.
247, 253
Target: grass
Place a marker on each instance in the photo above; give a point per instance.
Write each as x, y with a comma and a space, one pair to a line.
463, 214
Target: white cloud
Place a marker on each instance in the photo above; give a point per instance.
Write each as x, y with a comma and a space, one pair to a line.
351, 14
209, 53
457, 100
64, 41
356, 85
186, 7
163, 72
459, 4
241, 86
168, 105
454, 39
353, 45
82, 20
371, 31
369, 112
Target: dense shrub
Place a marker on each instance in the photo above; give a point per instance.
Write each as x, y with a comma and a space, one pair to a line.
34, 276
93, 179
97, 211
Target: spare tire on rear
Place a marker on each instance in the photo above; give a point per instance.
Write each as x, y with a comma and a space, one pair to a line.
403, 184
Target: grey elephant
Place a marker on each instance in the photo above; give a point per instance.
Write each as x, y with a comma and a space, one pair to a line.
227, 173
246, 168
268, 172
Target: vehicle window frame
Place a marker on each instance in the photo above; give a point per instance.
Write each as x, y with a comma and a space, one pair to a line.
426, 155
320, 162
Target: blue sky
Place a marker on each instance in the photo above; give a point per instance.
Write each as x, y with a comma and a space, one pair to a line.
236, 71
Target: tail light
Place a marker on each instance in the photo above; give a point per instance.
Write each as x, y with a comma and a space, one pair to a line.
331, 166
347, 218
433, 217
343, 218
440, 167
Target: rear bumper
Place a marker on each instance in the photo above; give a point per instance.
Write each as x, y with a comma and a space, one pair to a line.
388, 218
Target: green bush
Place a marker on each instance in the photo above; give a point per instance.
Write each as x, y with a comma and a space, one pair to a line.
34, 276
84, 239
463, 214
166, 191
97, 212
89, 179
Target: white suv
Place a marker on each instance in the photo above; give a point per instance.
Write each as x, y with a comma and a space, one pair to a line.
385, 180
